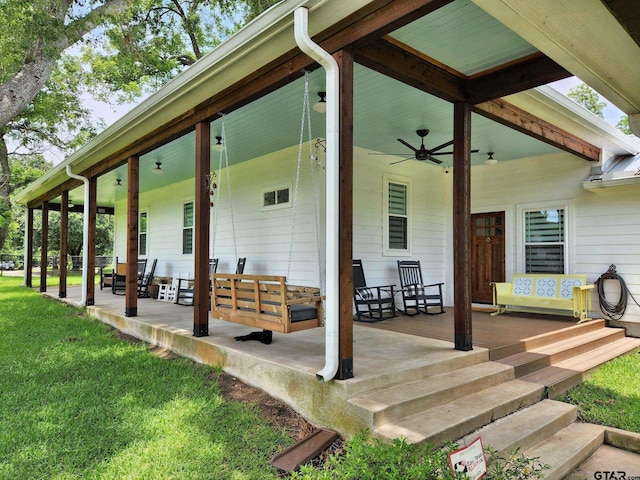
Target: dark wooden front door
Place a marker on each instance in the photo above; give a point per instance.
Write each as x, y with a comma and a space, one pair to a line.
487, 254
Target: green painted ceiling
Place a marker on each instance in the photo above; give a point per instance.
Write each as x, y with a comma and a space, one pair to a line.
459, 35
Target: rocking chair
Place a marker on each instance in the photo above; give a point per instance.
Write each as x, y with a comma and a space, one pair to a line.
415, 294
373, 303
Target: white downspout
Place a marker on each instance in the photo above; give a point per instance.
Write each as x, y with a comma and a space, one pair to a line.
85, 236
332, 201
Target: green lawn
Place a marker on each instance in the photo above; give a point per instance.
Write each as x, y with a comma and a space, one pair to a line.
77, 402
611, 394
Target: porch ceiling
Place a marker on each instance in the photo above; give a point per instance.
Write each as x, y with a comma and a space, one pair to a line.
461, 37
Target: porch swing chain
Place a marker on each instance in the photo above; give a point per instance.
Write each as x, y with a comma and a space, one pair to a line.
224, 162
305, 102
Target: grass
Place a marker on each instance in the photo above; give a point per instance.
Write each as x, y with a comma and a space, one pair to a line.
611, 395
78, 402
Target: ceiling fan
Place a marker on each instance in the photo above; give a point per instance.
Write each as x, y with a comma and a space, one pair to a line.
422, 153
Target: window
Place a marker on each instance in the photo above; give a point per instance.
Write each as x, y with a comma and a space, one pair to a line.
187, 228
142, 234
544, 240
276, 197
397, 224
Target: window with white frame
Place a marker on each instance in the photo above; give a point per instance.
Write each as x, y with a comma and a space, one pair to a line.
544, 242
397, 216
187, 228
142, 233
276, 197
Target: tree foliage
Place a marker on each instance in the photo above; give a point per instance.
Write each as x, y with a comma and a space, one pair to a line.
156, 39
586, 96
130, 46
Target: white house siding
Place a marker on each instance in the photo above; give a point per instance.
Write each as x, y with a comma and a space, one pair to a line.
164, 221
430, 214
603, 224
262, 236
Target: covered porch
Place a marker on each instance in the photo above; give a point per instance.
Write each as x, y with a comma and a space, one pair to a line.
398, 352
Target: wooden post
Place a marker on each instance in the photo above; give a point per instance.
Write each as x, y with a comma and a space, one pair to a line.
201, 228
64, 243
90, 250
462, 225
131, 291
28, 264
44, 246
345, 332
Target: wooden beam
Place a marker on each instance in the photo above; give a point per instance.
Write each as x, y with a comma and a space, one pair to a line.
462, 226
406, 65
131, 289
28, 278
201, 229
511, 116
344, 59
44, 246
369, 23
375, 21
64, 243
626, 13
90, 250
524, 74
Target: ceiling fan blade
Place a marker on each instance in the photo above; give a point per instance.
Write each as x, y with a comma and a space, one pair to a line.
434, 160
446, 144
400, 161
403, 154
407, 145
451, 152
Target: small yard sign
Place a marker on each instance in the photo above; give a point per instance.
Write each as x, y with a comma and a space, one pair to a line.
469, 460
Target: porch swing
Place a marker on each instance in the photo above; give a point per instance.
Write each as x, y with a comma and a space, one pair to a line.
267, 301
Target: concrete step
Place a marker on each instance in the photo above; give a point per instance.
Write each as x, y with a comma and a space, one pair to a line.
568, 448
525, 428
572, 371
389, 404
408, 369
548, 355
609, 459
463, 415
543, 339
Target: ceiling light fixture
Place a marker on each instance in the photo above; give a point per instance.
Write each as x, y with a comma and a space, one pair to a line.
118, 183
218, 147
158, 170
490, 160
321, 105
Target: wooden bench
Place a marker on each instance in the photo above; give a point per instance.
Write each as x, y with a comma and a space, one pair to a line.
544, 293
265, 301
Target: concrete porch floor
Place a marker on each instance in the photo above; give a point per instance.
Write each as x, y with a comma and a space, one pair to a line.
286, 368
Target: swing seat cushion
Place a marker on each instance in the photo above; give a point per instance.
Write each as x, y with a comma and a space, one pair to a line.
299, 313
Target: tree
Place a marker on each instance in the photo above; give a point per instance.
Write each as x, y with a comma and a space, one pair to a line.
157, 39
148, 41
35, 34
623, 125
587, 97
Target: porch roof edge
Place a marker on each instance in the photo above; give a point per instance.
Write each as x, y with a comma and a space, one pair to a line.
270, 34
556, 108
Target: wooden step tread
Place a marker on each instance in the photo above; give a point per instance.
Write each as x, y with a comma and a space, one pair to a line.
569, 373
459, 417
546, 338
554, 353
568, 448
